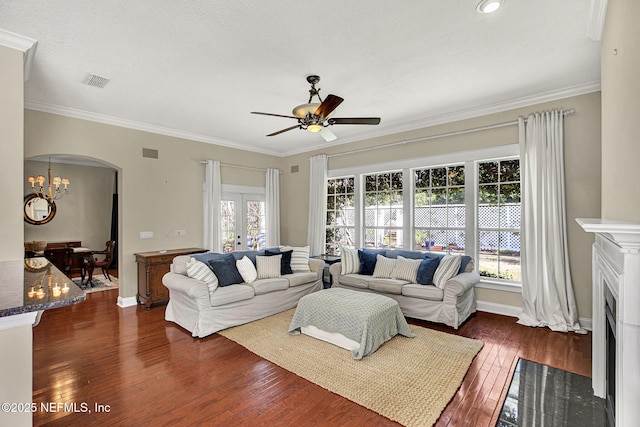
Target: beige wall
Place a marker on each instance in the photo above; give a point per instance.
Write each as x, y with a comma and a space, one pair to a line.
15, 342
11, 152
582, 162
84, 214
159, 195
620, 111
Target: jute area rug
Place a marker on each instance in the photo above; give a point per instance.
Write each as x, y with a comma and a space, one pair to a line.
408, 380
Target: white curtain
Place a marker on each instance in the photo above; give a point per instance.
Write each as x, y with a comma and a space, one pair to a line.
547, 291
317, 204
272, 206
211, 207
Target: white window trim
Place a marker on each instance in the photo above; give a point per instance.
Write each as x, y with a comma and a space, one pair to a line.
470, 159
244, 189
436, 160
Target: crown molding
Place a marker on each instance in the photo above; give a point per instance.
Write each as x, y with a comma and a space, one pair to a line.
24, 44
597, 19
469, 113
131, 124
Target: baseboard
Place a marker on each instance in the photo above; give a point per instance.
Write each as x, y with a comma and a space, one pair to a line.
127, 301
495, 308
514, 311
586, 323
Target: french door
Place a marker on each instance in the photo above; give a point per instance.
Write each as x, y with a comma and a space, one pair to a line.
242, 221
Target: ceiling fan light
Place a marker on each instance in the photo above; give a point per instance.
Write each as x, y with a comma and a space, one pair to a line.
488, 6
302, 110
314, 128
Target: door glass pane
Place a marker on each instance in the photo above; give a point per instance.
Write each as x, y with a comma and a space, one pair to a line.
228, 225
255, 225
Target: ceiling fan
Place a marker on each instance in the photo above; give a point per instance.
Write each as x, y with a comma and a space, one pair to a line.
317, 116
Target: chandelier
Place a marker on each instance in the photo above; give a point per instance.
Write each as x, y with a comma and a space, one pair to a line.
52, 189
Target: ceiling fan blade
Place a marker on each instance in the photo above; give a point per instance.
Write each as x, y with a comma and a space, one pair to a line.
327, 134
275, 115
355, 121
329, 104
284, 130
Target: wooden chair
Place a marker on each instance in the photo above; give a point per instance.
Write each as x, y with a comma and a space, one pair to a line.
61, 258
108, 258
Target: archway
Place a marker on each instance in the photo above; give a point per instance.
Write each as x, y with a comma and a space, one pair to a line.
88, 215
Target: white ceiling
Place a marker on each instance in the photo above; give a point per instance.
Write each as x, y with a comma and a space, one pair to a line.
197, 69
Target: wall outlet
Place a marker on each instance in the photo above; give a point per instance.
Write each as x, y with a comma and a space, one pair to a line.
180, 233
146, 234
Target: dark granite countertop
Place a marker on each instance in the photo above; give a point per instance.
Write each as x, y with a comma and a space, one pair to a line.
34, 284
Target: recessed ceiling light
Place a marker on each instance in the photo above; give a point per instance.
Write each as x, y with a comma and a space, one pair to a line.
489, 6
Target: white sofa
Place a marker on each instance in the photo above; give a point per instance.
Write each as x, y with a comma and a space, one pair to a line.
202, 313
451, 305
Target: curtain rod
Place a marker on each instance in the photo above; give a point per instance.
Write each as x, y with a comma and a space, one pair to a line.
441, 135
228, 165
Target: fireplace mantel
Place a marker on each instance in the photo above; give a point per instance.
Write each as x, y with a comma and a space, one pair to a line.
624, 234
616, 269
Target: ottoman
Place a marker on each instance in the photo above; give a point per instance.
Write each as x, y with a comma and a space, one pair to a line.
358, 321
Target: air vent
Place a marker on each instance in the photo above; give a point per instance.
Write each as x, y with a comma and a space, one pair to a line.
294, 169
96, 81
149, 153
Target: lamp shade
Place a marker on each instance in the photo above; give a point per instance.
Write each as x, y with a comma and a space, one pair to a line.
302, 110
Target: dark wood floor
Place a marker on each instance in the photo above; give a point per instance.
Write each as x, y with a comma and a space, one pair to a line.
152, 372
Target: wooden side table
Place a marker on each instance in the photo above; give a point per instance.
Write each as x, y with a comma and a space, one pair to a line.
151, 267
328, 260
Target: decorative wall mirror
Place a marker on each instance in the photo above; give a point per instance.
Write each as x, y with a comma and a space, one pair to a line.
38, 211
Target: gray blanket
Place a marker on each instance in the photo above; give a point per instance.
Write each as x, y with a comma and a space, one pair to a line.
368, 319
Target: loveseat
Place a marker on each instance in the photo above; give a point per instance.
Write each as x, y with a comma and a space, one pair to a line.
207, 293
427, 286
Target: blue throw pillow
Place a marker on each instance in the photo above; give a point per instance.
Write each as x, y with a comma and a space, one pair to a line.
238, 255
405, 253
285, 263
208, 256
367, 262
463, 263
225, 270
427, 269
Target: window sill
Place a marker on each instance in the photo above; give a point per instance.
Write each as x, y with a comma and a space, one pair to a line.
499, 285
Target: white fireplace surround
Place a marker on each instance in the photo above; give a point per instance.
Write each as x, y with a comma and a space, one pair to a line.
616, 266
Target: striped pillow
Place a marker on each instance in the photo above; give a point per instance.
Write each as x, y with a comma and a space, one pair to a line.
349, 260
384, 267
200, 271
406, 269
299, 258
246, 269
268, 266
449, 266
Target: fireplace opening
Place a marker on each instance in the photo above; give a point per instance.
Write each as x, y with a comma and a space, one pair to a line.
610, 310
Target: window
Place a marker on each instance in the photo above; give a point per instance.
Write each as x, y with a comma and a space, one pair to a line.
455, 203
340, 214
383, 210
499, 219
439, 209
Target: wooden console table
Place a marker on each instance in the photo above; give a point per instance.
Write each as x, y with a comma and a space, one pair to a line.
151, 267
